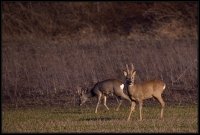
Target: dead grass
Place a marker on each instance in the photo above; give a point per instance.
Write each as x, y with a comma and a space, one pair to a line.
45, 72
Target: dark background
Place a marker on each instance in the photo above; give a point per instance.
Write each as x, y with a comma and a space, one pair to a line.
49, 48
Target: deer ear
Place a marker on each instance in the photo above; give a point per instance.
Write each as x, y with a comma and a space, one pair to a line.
125, 73
85, 90
82, 92
134, 73
79, 91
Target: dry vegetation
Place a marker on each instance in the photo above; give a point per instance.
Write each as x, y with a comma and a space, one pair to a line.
50, 47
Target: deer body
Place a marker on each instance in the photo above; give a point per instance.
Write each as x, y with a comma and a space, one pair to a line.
145, 90
104, 89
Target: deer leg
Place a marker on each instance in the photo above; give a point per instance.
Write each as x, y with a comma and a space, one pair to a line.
140, 108
104, 102
162, 103
120, 102
98, 102
124, 96
117, 99
132, 109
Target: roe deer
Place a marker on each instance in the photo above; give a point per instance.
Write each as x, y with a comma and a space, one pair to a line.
104, 89
145, 90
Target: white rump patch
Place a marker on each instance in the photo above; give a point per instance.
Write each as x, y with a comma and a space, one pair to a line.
164, 87
122, 86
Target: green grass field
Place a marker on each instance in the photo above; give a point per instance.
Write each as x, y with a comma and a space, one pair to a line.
64, 120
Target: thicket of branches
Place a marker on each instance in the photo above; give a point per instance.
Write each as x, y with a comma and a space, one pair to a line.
55, 19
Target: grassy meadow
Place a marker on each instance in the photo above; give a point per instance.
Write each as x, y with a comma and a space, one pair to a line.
177, 119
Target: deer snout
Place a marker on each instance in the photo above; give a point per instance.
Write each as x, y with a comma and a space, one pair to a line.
128, 81
81, 103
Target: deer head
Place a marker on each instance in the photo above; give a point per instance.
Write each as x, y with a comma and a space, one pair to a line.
82, 95
130, 74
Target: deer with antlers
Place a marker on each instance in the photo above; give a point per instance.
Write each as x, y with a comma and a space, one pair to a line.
145, 90
103, 89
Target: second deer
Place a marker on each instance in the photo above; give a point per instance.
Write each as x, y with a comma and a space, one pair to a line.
145, 90
104, 89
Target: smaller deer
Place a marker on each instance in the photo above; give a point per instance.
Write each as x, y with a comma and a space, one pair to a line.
103, 89
145, 90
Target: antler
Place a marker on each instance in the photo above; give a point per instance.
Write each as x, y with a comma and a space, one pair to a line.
132, 68
127, 69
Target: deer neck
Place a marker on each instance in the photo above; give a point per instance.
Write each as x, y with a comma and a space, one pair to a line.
89, 94
131, 87
131, 91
